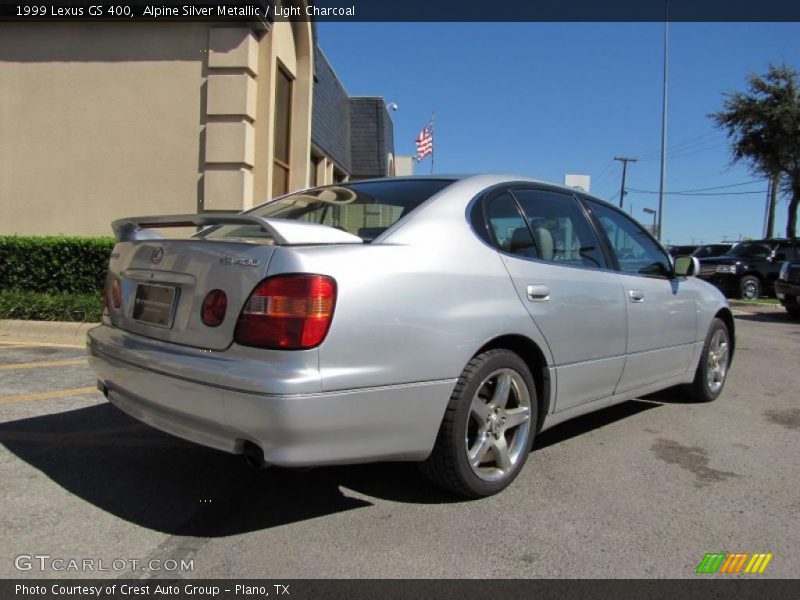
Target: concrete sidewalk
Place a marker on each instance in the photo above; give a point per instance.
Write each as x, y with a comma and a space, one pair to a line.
52, 332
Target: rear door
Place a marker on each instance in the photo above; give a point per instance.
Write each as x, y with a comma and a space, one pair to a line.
560, 274
662, 311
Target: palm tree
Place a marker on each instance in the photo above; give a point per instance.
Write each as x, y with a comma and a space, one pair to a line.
763, 125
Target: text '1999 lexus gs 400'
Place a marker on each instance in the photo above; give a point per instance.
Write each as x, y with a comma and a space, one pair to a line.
442, 320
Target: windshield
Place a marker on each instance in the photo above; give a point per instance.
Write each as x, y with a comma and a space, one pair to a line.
754, 249
364, 209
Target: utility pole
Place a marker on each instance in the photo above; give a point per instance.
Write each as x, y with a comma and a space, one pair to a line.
769, 217
625, 162
663, 176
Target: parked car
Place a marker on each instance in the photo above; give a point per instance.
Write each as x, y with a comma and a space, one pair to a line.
749, 269
437, 319
787, 288
712, 250
685, 250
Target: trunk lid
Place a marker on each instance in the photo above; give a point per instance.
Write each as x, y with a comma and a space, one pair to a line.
163, 282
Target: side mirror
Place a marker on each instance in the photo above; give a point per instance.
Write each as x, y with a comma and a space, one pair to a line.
687, 266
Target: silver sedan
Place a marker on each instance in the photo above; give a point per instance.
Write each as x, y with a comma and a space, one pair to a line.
442, 320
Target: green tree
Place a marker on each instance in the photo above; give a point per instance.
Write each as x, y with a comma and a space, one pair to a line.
763, 125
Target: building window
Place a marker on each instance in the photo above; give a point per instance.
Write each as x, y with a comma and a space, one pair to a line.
283, 128
313, 179
338, 176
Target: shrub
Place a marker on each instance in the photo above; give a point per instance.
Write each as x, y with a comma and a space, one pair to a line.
15, 304
54, 265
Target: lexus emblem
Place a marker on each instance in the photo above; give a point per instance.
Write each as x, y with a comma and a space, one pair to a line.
157, 255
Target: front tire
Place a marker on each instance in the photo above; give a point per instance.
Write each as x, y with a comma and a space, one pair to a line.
487, 430
712, 370
749, 287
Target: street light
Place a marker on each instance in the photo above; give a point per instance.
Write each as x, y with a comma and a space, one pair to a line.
650, 211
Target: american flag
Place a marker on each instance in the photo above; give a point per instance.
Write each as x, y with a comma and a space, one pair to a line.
425, 142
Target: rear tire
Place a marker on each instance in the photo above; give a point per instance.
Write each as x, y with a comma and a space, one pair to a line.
793, 311
749, 287
487, 430
712, 371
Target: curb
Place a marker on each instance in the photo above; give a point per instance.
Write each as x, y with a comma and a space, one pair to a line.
755, 305
53, 332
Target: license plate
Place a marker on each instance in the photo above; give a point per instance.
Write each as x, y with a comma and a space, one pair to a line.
154, 304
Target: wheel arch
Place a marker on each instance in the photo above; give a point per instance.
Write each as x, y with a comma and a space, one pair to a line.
533, 356
726, 316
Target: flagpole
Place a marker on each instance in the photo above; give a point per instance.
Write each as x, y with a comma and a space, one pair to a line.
433, 145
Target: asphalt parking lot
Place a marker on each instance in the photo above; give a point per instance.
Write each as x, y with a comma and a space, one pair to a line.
643, 489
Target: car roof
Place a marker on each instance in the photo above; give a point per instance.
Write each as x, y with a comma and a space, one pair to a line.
490, 179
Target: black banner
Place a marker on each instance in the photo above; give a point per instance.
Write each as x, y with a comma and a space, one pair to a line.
738, 588
406, 10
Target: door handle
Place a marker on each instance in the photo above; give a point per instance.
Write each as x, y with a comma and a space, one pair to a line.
538, 292
636, 295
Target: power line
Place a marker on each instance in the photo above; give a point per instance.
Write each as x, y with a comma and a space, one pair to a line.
718, 187
698, 194
700, 148
685, 145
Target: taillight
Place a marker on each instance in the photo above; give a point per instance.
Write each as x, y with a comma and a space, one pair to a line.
214, 307
288, 312
116, 293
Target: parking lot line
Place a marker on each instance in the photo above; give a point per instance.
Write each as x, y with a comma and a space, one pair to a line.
47, 395
42, 364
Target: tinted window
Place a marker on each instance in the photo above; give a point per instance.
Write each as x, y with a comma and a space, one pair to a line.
786, 252
636, 251
712, 250
751, 250
510, 230
364, 209
561, 232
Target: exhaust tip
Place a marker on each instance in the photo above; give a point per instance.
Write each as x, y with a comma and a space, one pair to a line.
254, 456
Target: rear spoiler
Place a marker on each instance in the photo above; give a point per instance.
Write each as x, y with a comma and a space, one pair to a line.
283, 231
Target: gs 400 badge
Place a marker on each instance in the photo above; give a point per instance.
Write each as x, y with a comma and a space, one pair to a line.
240, 260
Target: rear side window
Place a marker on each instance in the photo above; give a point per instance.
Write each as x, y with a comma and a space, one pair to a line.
561, 232
509, 227
364, 209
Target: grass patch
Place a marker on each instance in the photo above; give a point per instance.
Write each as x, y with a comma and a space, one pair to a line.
34, 306
763, 301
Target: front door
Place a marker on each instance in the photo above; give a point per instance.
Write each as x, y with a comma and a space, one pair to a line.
662, 311
560, 274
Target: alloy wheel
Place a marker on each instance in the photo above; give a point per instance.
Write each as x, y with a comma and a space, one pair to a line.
498, 425
717, 361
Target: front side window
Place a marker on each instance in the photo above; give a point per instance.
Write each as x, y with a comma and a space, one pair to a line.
365, 209
785, 252
637, 252
561, 232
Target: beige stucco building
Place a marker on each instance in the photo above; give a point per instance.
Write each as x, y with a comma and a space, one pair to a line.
102, 121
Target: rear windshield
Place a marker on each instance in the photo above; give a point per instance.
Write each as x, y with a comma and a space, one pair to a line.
364, 209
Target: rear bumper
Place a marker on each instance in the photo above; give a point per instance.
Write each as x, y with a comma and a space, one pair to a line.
787, 292
398, 422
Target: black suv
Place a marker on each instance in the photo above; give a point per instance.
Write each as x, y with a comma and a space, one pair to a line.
787, 288
749, 269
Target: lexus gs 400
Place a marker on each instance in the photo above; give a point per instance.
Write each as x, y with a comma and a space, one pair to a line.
443, 320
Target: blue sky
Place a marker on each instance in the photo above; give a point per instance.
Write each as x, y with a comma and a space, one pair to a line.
545, 99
